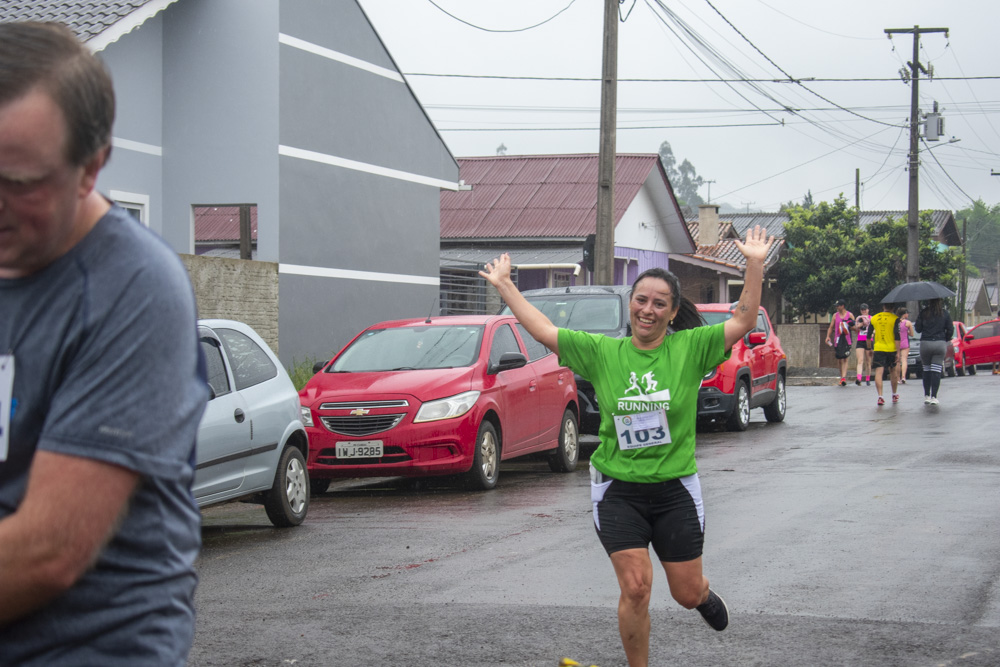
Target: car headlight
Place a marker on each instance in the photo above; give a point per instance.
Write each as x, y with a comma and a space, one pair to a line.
447, 408
711, 374
306, 415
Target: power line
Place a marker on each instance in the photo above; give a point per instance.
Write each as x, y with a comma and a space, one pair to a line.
587, 79
594, 129
479, 27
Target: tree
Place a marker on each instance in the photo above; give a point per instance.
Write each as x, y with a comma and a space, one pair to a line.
829, 257
982, 232
807, 202
684, 179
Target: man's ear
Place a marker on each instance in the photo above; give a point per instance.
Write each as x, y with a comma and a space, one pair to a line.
92, 168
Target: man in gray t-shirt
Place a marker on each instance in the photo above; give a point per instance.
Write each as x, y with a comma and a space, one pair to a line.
101, 385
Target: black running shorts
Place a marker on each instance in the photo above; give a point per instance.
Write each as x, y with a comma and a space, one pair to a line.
669, 515
883, 359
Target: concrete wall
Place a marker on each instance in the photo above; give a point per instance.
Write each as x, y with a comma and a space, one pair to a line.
801, 343
237, 289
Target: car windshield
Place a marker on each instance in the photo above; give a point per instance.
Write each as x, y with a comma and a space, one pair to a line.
714, 317
582, 313
411, 348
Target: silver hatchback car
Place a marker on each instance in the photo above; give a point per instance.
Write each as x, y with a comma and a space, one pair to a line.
251, 442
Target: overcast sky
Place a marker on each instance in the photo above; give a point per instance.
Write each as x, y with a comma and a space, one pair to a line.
768, 155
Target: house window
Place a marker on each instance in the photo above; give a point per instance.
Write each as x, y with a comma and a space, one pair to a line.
225, 230
562, 278
136, 204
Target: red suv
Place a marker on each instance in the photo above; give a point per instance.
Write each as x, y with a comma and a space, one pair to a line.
752, 377
981, 345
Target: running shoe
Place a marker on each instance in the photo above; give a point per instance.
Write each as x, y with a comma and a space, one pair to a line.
934, 400
895, 398
881, 401
714, 611
927, 400
858, 382
868, 383
843, 382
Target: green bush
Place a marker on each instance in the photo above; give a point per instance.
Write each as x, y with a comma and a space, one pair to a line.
301, 372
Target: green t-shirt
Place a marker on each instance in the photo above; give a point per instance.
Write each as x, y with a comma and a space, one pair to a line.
630, 381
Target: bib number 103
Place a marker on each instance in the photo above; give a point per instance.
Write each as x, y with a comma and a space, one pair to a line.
644, 429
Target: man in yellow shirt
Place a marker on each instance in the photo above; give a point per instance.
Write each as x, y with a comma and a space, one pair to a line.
883, 337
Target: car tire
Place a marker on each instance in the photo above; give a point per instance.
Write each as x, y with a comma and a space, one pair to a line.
485, 468
565, 456
960, 371
739, 418
318, 486
288, 500
971, 368
949, 369
775, 410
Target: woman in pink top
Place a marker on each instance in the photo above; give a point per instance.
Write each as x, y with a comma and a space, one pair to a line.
838, 336
905, 331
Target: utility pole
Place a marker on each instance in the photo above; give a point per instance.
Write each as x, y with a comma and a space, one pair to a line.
857, 194
709, 184
912, 220
747, 203
604, 260
965, 259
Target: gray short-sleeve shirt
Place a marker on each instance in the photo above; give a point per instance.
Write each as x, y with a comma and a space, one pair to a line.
107, 367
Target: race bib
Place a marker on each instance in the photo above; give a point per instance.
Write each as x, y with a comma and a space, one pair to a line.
643, 429
6, 400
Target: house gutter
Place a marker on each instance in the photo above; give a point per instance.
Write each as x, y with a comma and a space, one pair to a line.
574, 267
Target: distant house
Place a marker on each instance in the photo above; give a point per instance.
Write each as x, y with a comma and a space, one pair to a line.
713, 273
294, 108
977, 302
540, 209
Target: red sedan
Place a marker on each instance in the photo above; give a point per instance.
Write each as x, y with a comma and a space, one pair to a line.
439, 396
981, 345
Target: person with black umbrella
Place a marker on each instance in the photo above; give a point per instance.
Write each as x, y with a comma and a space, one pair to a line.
936, 329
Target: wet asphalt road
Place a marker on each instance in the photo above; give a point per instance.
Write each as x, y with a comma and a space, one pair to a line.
847, 535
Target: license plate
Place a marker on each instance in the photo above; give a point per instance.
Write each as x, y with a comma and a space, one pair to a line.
359, 449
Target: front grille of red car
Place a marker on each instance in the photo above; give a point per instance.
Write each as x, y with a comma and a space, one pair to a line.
361, 425
391, 454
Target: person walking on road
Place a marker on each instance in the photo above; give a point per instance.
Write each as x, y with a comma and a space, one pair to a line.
644, 477
838, 336
905, 331
883, 337
102, 384
861, 351
936, 329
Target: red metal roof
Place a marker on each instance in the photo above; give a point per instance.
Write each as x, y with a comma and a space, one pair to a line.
537, 196
221, 223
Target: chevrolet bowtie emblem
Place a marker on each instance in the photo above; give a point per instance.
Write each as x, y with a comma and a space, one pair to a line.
359, 412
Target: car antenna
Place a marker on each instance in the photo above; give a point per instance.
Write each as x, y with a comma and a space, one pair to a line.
428, 320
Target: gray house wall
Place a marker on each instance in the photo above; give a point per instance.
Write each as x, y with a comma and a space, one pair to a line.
360, 229
297, 107
220, 115
136, 166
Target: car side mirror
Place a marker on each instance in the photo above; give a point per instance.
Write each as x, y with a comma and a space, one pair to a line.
755, 338
508, 361
318, 366
969, 338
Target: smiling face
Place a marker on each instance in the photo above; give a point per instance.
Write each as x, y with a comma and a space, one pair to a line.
41, 192
651, 309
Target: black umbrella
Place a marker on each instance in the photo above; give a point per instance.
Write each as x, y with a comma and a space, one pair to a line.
921, 291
